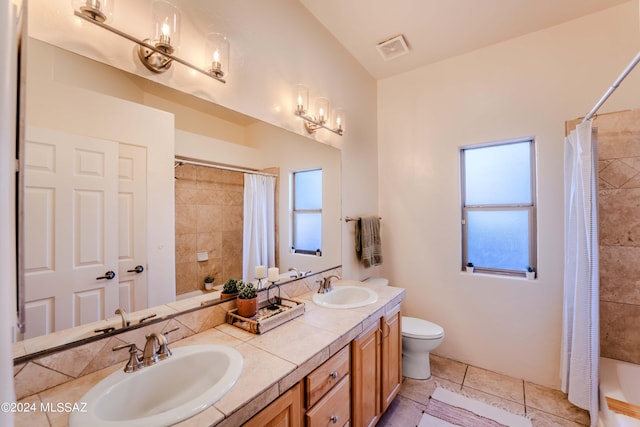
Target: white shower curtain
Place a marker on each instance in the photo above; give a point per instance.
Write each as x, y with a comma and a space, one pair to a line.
580, 336
258, 245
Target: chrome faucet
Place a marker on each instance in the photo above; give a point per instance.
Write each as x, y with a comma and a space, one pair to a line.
125, 319
155, 342
155, 349
325, 283
297, 273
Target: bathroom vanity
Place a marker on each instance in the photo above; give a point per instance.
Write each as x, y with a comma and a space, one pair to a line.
370, 366
313, 369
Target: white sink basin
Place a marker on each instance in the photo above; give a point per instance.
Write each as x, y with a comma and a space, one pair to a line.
170, 391
346, 294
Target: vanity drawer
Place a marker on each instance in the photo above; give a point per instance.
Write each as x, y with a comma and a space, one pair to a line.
326, 376
333, 409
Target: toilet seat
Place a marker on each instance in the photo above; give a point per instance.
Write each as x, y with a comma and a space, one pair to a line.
421, 329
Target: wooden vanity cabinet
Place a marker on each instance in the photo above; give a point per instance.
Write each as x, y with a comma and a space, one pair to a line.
391, 362
285, 411
376, 370
327, 392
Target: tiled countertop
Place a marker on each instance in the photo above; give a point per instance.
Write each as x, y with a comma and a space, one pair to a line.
273, 361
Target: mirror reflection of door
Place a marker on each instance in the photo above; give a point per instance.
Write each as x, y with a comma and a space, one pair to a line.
83, 196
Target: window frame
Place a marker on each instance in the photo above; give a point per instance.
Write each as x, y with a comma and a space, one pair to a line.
531, 208
295, 211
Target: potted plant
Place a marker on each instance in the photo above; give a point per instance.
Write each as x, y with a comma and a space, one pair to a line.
208, 282
247, 299
531, 273
229, 289
469, 267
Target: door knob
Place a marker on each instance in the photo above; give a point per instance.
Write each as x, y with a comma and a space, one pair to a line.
137, 269
108, 275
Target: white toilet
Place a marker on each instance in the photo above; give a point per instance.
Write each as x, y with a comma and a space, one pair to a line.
419, 338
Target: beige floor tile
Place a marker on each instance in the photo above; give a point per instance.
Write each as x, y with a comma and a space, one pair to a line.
543, 419
402, 413
553, 402
493, 383
417, 390
448, 369
506, 404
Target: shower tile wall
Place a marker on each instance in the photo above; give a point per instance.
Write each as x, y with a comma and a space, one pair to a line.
619, 228
209, 217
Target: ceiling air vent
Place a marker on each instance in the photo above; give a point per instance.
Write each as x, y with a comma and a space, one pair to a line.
392, 48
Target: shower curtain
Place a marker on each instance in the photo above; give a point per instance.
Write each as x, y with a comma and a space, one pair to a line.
580, 337
258, 245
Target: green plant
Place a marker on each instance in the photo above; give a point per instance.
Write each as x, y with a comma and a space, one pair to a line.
469, 264
209, 279
231, 286
246, 290
531, 269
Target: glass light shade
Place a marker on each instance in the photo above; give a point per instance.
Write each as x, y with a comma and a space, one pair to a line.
98, 10
217, 54
165, 18
301, 98
339, 119
321, 110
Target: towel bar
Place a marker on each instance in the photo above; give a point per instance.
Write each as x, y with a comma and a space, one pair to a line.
349, 219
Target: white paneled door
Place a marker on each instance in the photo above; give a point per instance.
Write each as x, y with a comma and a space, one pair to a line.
81, 234
132, 235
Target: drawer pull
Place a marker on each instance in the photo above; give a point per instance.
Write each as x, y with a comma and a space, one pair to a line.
334, 419
334, 374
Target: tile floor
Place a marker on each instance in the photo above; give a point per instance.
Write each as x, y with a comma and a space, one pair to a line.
546, 407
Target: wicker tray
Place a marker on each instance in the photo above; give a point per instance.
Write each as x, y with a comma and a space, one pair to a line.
268, 316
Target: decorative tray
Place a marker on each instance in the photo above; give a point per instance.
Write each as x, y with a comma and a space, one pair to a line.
269, 315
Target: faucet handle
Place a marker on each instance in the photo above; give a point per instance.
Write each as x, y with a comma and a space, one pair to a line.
134, 362
164, 351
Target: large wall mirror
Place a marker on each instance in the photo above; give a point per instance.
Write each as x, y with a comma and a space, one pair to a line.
134, 193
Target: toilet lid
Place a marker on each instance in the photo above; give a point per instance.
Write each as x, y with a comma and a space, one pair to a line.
421, 329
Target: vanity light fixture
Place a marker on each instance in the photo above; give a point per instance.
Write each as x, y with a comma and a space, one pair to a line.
156, 52
321, 119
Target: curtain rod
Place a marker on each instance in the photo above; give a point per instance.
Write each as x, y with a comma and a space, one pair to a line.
180, 161
613, 87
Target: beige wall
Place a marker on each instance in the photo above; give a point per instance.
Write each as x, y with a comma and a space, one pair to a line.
523, 87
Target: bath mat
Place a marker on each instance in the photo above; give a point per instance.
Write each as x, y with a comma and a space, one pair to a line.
446, 408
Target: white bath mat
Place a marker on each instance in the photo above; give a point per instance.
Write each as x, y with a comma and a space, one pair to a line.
446, 408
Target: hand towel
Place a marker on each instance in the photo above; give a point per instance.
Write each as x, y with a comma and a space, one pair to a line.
368, 243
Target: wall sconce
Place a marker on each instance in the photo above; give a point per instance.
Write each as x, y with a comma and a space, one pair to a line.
321, 118
157, 52
165, 36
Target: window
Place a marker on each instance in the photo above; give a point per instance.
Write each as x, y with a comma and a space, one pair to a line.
307, 212
498, 207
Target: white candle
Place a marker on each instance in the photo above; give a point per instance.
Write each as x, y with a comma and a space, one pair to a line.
261, 272
274, 274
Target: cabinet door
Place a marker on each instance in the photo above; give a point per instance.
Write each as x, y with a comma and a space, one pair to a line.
365, 371
391, 326
285, 411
